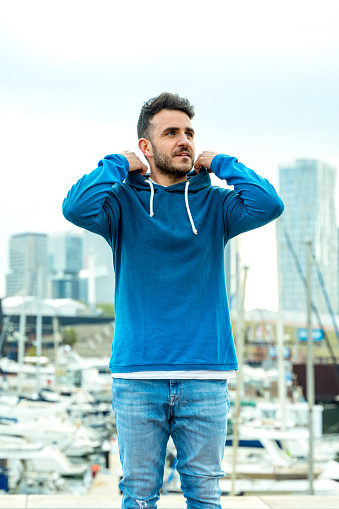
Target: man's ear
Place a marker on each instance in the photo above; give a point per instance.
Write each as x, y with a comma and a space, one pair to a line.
145, 146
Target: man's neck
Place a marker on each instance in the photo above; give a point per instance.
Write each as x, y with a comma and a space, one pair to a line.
166, 180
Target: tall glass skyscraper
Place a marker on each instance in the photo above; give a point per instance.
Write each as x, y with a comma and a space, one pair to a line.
231, 268
307, 188
27, 256
98, 260
66, 261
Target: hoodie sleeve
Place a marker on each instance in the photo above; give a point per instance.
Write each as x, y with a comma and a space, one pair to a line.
254, 201
90, 202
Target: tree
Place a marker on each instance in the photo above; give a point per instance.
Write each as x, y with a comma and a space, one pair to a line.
69, 336
107, 309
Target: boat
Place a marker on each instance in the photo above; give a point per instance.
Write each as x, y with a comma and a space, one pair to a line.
73, 440
32, 467
263, 466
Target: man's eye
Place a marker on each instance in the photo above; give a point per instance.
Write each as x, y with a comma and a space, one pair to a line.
189, 135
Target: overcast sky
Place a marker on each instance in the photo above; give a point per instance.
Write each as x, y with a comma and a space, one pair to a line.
263, 77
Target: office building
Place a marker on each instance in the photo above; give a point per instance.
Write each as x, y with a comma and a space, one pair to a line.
28, 265
337, 310
98, 279
230, 264
65, 262
307, 188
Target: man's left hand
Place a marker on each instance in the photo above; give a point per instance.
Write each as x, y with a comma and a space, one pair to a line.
204, 160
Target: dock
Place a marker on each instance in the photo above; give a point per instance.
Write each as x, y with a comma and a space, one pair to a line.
165, 502
104, 493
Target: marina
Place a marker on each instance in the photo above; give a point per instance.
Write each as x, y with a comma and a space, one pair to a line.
58, 436
63, 442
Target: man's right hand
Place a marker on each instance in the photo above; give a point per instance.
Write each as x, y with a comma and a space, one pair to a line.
134, 162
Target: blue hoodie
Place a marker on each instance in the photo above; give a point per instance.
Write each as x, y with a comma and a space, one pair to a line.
170, 295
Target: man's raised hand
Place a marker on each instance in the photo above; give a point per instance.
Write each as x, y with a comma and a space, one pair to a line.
134, 162
204, 160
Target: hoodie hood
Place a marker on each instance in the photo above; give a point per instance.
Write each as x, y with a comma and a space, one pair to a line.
194, 183
197, 181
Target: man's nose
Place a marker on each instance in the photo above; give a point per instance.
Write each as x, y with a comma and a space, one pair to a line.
184, 140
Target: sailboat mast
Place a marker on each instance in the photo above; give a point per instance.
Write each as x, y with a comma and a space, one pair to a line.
240, 355
310, 366
39, 327
280, 335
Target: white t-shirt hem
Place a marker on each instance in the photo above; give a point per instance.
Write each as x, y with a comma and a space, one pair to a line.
178, 375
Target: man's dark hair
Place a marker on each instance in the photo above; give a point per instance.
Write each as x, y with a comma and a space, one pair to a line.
164, 101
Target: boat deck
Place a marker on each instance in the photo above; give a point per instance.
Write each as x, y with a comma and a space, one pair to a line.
166, 502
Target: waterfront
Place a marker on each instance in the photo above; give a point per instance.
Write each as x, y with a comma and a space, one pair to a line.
64, 441
174, 502
57, 429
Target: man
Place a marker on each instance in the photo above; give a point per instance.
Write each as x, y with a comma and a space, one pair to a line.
172, 350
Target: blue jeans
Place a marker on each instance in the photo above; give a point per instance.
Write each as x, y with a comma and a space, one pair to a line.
194, 413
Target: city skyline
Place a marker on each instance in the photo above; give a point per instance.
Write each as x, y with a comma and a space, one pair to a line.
263, 79
308, 190
75, 265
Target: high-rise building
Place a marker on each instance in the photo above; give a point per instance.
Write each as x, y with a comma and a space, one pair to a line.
65, 262
230, 264
337, 310
307, 188
28, 264
99, 273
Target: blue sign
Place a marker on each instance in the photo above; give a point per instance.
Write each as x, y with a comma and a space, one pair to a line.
274, 352
317, 334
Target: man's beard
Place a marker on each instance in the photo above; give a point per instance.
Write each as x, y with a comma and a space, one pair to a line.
166, 167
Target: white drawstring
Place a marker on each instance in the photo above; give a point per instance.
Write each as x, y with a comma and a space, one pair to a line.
188, 208
151, 213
